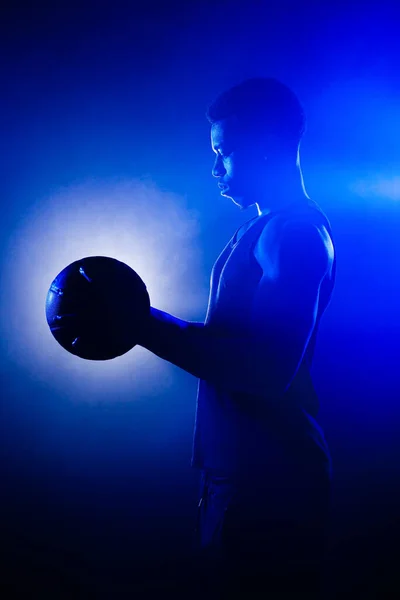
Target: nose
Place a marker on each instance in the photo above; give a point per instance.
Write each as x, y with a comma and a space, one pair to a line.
218, 169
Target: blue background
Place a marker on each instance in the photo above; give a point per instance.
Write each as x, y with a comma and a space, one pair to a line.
103, 97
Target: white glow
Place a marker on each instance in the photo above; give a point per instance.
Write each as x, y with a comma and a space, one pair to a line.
380, 186
133, 221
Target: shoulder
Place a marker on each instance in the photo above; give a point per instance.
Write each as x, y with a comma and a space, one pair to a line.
295, 241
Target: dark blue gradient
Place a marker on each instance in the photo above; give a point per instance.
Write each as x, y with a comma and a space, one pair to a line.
105, 150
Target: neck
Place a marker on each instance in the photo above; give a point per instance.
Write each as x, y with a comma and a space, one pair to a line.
285, 188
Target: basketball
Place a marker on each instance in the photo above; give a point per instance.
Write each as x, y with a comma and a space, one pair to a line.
96, 306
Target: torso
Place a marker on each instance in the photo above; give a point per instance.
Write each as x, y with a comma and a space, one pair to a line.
221, 422
237, 270
242, 230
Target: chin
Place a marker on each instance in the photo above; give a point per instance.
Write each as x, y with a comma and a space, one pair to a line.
235, 199
241, 203
238, 200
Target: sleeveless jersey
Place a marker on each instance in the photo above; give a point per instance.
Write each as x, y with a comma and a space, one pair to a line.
236, 432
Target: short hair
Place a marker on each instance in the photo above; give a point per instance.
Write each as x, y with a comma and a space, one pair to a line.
263, 104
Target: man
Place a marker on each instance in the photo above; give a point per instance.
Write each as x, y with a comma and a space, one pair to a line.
264, 461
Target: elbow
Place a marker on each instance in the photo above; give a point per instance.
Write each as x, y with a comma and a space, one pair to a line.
271, 384
266, 376
264, 386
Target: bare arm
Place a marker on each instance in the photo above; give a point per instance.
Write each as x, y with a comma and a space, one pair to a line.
265, 361
228, 362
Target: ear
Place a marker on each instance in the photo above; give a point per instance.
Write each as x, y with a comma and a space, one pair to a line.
268, 144
277, 147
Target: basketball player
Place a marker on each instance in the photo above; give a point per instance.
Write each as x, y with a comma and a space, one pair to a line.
265, 465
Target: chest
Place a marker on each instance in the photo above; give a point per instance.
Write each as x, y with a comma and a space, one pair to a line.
234, 279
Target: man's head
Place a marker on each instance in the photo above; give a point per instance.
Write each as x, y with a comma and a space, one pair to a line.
256, 129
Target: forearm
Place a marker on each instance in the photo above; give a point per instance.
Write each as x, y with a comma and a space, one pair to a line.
172, 338
234, 363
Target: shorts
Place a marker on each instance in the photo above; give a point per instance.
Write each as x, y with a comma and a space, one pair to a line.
261, 540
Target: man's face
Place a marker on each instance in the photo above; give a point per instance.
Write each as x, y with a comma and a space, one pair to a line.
239, 165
